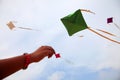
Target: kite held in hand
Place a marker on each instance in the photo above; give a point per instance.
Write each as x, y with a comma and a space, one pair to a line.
57, 55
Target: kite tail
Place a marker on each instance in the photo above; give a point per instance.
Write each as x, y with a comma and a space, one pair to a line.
68, 61
27, 28
87, 11
117, 26
106, 32
103, 36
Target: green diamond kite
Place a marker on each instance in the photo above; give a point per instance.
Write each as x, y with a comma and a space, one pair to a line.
74, 22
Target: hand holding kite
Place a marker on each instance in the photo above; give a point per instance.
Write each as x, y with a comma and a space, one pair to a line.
43, 51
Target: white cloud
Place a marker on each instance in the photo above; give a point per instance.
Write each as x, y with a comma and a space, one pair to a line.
111, 57
109, 75
56, 76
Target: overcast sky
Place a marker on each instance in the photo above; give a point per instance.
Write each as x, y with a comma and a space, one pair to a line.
90, 57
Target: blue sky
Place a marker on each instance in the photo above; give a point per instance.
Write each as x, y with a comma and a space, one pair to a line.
90, 57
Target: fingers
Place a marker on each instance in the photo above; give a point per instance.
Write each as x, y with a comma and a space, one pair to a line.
49, 50
50, 55
41, 52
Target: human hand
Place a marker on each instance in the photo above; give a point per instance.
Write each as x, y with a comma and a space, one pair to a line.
42, 52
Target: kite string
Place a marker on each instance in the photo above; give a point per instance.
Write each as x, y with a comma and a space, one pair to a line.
27, 28
116, 26
103, 35
68, 61
57, 55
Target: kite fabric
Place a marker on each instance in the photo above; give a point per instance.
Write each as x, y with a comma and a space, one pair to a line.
75, 23
12, 26
57, 55
109, 20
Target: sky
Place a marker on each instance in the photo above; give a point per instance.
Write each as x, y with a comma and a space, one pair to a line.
90, 57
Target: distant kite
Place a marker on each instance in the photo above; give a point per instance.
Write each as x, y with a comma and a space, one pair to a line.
75, 23
11, 26
111, 20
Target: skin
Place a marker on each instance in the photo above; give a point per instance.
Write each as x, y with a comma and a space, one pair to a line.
11, 65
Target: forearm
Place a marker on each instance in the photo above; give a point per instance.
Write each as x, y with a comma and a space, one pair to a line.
11, 65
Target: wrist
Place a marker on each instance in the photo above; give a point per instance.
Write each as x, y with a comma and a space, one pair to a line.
36, 57
27, 60
32, 58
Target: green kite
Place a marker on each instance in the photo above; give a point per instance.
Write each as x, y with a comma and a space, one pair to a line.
75, 22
